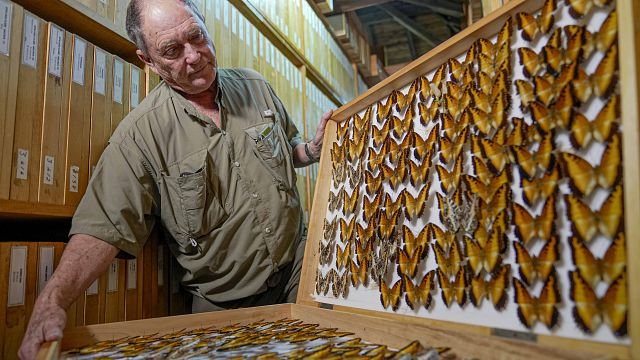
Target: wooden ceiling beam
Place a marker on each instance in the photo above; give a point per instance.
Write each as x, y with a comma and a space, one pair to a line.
439, 6
415, 28
346, 6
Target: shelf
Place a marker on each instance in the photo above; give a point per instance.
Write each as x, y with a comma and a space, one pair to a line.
78, 19
20, 209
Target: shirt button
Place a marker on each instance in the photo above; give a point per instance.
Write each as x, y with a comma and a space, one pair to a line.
254, 195
236, 164
267, 230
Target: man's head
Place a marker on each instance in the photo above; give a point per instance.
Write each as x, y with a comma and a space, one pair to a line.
173, 41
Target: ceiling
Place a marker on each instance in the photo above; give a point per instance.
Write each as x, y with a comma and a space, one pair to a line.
400, 31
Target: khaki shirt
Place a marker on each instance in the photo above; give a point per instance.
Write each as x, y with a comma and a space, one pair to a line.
226, 195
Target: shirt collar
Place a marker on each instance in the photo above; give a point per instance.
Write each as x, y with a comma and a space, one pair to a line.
190, 110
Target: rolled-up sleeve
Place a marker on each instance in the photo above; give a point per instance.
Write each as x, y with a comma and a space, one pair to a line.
118, 204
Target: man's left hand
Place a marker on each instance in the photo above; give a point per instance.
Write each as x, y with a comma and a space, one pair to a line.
315, 145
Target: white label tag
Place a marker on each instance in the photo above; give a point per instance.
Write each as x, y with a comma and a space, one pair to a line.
45, 266
6, 14
22, 170
49, 166
160, 266
79, 60
30, 41
112, 283
56, 48
17, 275
118, 80
100, 72
132, 273
135, 87
74, 178
93, 288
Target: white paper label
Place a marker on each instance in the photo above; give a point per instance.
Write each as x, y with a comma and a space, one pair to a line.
6, 13
22, 170
56, 48
17, 275
118, 80
45, 266
79, 60
49, 166
135, 87
100, 72
93, 288
112, 283
160, 266
132, 273
30, 41
74, 178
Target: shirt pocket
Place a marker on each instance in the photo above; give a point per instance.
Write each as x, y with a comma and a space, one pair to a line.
189, 202
266, 137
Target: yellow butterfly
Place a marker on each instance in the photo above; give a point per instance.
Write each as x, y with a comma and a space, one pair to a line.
494, 289
408, 262
450, 149
413, 242
419, 294
487, 256
450, 180
593, 269
579, 8
587, 223
387, 224
486, 191
536, 267
350, 202
359, 273
548, 88
532, 26
390, 296
414, 205
589, 311
602, 82
343, 256
558, 115
370, 207
383, 110
530, 162
543, 308
448, 265
443, 238
540, 189
347, 229
456, 290
600, 129
530, 227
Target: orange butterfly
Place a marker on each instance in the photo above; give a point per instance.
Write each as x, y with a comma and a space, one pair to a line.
450, 264
340, 285
414, 205
380, 135
532, 26
585, 178
365, 233
542, 159
525, 90
364, 250
540, 189
359, 273
422, 149
449, 181
361, 123
602, 39
557, 115
443, 238
397, 175
486, 191
383, 111
590, 311
401, 127
457, 69
370, 207
404, 101
373, 183
481, 170
451, 149
419, 294
602, 82
428, 113
355, 148
342, 130
425, 89
493, 58
579, 8
413, 242
593, 269
522, 133
343, 256
408, 262
439, 76
600, 129
350, 202
531, 61
494, 289
337, 153
492, 86
485, 257
390, 296
453, 291
451, 105
504, 35
490, 211
548, 88
391, 205
543, 308
587, 223
495, 118
347, 229
387, 224
452, 128
498, 155
529, 227
537, 267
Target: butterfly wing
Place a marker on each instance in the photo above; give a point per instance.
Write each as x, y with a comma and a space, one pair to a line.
585, 310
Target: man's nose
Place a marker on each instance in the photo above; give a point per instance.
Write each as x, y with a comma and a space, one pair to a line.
192, 55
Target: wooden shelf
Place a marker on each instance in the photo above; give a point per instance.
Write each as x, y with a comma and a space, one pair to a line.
20, 209
78, 19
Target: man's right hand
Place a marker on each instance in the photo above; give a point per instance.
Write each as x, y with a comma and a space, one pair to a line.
47, 324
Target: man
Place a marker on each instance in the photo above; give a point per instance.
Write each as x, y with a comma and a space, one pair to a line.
211, 154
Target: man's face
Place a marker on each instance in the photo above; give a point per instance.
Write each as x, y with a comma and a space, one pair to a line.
178, 45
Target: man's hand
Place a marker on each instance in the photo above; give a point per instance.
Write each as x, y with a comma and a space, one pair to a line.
315, 145
46, 324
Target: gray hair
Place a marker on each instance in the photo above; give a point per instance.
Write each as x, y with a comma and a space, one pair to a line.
134, 21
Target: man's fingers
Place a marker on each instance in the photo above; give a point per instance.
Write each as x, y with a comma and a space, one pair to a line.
52, 333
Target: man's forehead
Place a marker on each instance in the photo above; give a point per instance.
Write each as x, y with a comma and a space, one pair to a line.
165, 14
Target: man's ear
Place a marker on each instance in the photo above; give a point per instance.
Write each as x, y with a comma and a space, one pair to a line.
145, 59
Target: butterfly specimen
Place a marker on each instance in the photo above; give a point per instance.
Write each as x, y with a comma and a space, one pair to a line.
557, 115
451, 263
413, 242
329, 229
390, 296
422, 149
350, 202
370, 207
383, 110
548, 88
340, 284
532, 62
343, 256
408, 262
530, 162
493, 86
387, 224
355, 174
365, 233
347, 229
420, 293
532, 26
522, 133
498, 155
585, 178
530, 227
600, 129
342, 130
456, 290
485, 191
390, 205
373, 183
400, 127
443, 238
419, 173
494, 289
540, 189
602, 39
364, 250
593, 269
536, 267
356, 147
428, 113
589, 311
359, 273
494, 118
602, 82
397, 175
325, 252
380, 135
500, 202
405, 101
542, 308
414, 205
452, 127
493, 59
486, 256
586, 223
451, 149
450, 180
579, 8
